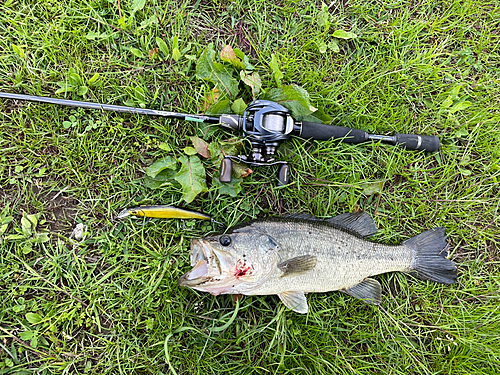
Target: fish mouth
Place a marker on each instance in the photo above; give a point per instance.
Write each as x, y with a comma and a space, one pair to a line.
208, 264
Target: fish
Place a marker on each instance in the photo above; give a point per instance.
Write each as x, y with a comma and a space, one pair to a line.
299, 254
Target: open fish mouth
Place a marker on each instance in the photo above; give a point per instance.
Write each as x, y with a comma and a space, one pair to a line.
209, 264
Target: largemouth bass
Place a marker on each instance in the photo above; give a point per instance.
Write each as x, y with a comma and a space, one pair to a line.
299, 254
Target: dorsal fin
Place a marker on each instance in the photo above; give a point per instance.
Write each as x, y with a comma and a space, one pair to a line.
302, 216
358, 222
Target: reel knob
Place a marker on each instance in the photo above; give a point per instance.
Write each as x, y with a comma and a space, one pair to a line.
283, 174
226, 170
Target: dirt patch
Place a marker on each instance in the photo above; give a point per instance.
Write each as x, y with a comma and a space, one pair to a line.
61, 211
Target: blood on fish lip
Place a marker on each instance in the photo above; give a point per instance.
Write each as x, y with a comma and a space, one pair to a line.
241, 269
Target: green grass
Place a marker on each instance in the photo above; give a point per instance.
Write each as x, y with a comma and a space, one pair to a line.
111, 304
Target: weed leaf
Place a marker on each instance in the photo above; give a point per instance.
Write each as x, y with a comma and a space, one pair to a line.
278, 75
253, 80
192, 177
201, 146
227, 54
341, 34
138, 5
232, 188
33, 318
160, 165
239, 106
292, 97
208, 69
162, 46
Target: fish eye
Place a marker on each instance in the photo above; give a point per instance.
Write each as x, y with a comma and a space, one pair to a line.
225, 240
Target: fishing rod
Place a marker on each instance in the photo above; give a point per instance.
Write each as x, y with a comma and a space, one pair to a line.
266, 124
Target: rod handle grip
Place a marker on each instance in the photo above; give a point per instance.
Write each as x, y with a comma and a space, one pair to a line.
323, 132
429, 143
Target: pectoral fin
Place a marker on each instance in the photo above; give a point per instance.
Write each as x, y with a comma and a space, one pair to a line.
295, 301
369, 290
298, 265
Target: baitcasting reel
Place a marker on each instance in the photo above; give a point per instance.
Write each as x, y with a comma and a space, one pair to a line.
266, 124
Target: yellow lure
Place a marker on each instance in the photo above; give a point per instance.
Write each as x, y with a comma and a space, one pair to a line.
163, 212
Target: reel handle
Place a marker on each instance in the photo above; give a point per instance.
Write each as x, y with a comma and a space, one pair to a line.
226, 171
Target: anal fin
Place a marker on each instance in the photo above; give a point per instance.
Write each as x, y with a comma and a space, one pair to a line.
295, 301
369, 290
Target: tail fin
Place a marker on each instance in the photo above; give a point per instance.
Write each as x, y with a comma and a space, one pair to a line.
429, 251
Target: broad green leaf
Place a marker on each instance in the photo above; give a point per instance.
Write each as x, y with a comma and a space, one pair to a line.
292, 97
334, 46
26, 335
231, 146
33, 318
74, 78
464, 171
322, 47
65, 89
176, 54
253, 80
219, 108
3, 228
138, 5
278, 75
460, 106
227, 54
27, 248
208, 69
190, 151
324, 17
447, 102
82, 90
232, 188
93, 79
239, 106
216, 154
244, 58
137, 52
160, 165
41, 238
165, 177
27, 225
241, 170
192, 177
162, 46
201, 146
341, 34
371, 188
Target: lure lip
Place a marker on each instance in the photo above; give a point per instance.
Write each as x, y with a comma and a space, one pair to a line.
123, 213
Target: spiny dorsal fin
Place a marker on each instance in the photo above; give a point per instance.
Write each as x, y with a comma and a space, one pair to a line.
295, 301
298, 265
302, 216
359, 222
369, 290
